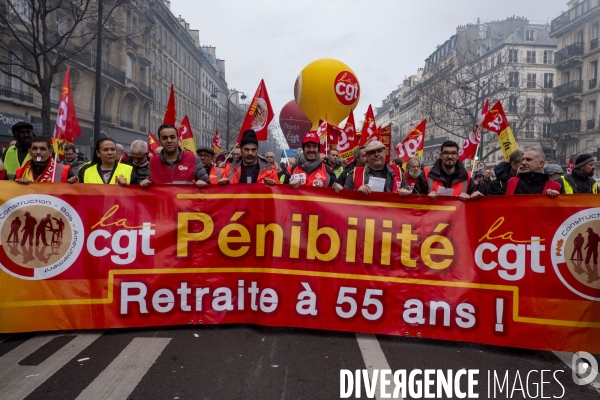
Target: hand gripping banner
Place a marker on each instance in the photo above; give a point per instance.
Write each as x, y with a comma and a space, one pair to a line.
91, 256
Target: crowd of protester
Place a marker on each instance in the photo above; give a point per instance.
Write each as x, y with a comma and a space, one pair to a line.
29, 158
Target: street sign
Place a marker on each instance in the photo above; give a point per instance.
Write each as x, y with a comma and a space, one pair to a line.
481, 165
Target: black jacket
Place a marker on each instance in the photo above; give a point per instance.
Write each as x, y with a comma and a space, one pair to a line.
498, 186
579, 182
533, 183
141, 172
437, 173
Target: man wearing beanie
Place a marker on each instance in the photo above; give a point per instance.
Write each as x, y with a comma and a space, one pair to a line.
376, 175
581, 180
250, 167
16, 156
310, 170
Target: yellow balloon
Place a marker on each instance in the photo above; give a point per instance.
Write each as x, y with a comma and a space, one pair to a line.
326, 89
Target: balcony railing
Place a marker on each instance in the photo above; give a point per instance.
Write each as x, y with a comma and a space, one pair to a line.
591, 124
571, 50
16, 94
126, 124
145, 89
573, 13
54, 104
568, 88
570, 126
105, 118
113, 72
593, 83
594, 44
142, 129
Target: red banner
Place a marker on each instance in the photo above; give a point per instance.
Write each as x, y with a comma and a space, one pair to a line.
412, 145
67, 125
477, 271
186, 137
471, 145
216, 143
570, 166
153, 144
171, 110
259, 115
348, 140
385, 137
369, 129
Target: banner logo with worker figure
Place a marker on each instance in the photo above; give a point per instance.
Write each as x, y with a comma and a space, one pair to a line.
41, 236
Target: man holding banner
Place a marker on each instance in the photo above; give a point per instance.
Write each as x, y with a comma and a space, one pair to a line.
41, 167
447, 177
250, 167
377, 175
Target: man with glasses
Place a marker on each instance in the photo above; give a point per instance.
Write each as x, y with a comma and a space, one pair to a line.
16, 156
447, 177
73, 158
215, 173
139, 159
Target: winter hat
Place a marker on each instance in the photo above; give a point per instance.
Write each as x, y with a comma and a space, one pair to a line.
206, 150
553, 169
21, 125
249, 137
583, 159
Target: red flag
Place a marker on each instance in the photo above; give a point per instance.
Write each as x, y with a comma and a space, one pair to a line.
347, 141
496, 121
67, 125
369, 130
216, 143
385, 137
469, 149
322, 134
259, 114
186, 138
571, 165
153, 144
171, 111
333, 137
412, 145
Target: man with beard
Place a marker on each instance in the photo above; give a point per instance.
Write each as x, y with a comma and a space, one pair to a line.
249, 167
376, 175
413, 170
504, 171
282, 174
581, 180
73, 158
531, 178
139, 159
173, 165
41, 167
15, 156
447, 177
310, 170
333, 161
360, 159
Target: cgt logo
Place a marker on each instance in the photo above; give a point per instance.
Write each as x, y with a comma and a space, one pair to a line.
346, 88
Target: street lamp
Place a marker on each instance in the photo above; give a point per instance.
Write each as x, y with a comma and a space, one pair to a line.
214, 96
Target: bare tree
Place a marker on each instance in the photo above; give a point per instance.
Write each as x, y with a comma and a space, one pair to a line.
40, 36
557, 128
236, 119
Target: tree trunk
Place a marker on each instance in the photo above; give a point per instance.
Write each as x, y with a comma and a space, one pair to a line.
47, 129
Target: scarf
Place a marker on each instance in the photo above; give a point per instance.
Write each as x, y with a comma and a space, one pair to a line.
309, 166
46, 176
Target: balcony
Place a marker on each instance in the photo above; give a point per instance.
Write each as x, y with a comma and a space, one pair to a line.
588, 7
146, 90
593, 44
570, 126
565, 58
113, 72
54, 104
126, 124
591, 124
593, 83
142, 129
105, 118
16, 94
569, 88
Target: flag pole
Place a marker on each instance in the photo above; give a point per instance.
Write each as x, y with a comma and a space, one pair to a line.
476, 151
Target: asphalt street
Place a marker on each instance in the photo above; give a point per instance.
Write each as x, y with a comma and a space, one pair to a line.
253, 362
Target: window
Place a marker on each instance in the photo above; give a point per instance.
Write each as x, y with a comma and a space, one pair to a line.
513, 56
590, 146
567, 41
530, 105
548, 56
548, 81
128, 67
531, 78
547, 105
529, 35
575, 148
546, 131
594, 31
512, 104
591, 110
513, 79
531, 57
54, 89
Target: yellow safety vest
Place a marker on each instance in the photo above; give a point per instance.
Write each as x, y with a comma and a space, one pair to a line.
11, 161
569, 188
91, 174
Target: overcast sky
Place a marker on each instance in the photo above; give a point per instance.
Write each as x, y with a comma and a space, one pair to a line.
381, 40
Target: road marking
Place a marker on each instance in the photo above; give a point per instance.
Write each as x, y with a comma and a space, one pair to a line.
374, 359
18, 381
119, 379
567, 358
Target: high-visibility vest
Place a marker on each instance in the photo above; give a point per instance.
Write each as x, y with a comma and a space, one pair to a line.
514, 181
234, 173
319, 177
337, 171
91, 174
457, 188
569, 188
61, 175
214, 175
359, 178
182, 173
11, 161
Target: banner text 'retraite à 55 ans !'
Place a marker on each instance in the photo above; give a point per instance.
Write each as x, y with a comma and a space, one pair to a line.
516, 271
